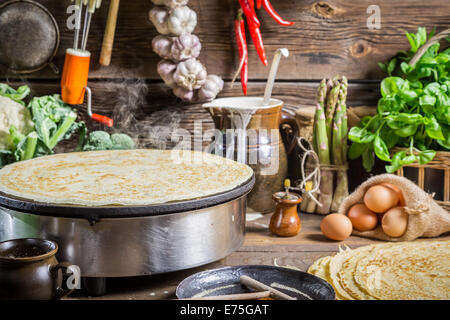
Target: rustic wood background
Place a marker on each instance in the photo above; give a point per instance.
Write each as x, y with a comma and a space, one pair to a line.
329, 37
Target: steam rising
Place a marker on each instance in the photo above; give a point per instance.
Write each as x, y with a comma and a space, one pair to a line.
149, 123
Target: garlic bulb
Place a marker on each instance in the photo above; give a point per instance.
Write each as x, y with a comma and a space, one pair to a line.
166, 70
174, 3
162, 46
159, 2
182, 20
183, 94
185, 47
211, 88
159, 16
190, 74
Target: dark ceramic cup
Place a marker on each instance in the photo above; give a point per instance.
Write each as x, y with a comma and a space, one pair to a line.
29, 270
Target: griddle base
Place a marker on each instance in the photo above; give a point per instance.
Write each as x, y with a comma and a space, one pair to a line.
94, 287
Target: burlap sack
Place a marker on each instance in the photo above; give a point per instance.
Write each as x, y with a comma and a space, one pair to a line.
426, 217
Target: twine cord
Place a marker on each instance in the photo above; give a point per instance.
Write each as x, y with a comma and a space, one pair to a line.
314, 175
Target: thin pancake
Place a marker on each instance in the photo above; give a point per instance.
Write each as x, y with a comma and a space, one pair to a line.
415, 270
122, 177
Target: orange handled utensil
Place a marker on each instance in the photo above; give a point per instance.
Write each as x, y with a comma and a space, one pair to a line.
76, 65
74, 82
75, 76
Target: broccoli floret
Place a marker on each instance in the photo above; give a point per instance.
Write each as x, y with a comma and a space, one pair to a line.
121, 141
98, 140
101, 140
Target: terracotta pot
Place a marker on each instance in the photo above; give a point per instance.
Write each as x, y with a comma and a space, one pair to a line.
29, 270
266, 149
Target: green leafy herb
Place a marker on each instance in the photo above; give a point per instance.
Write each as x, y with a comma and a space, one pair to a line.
413, 112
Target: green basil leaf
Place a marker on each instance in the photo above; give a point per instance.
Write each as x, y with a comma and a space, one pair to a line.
408, 95
396, 162
360, 135
391, 85
381, 149
368, 160
391, 66
424, 72
421, 37
356, 150
416, 85
407, 131
426, 156
389, 137
443, 58
427, 101
383, 66
446, 142
428, 61
412, 41
433, 129
405, 121
408, 159
409, 118
433, 89
406, 68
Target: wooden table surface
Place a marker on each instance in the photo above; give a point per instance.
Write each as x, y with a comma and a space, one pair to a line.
260, 247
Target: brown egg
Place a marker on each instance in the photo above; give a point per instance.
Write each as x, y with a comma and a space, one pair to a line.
336, 227
362, 218
380, 198
401, 198
395, 222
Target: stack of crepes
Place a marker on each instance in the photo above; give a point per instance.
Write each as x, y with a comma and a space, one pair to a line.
390, 271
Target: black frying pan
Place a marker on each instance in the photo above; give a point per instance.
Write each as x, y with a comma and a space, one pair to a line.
228, 277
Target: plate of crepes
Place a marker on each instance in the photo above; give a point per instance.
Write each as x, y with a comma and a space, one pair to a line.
418, 270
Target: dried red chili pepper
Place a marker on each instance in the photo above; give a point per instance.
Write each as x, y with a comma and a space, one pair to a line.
239, 27
249, 12
271, 11
258, 4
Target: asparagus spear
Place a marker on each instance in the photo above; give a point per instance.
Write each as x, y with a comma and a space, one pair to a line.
321, 139
332, 100
340, 132
323, 151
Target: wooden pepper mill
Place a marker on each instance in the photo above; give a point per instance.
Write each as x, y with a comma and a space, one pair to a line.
285, 221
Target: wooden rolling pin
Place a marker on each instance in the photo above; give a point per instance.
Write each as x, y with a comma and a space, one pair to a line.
256, 285
110, 30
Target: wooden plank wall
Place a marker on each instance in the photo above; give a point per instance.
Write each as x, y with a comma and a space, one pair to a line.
329, 37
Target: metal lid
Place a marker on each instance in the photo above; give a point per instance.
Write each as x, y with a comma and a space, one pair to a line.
29, 36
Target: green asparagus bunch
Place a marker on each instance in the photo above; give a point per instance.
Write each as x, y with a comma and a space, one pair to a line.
330, 143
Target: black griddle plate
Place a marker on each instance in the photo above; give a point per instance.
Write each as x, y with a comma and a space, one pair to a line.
105, 212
